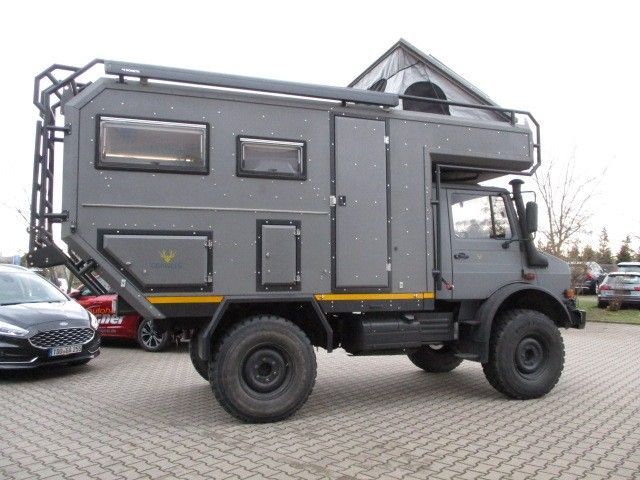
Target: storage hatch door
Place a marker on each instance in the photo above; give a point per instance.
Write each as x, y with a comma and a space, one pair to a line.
164, 261
279, 256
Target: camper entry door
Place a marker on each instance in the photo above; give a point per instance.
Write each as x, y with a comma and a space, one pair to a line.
360, 220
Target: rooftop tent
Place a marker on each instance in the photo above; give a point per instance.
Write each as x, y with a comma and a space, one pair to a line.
405, 70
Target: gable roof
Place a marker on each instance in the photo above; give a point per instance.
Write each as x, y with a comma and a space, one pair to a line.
406, 60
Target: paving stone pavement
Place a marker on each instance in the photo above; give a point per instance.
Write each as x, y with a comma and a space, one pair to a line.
131, 414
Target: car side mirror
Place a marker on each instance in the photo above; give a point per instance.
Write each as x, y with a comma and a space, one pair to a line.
531, 217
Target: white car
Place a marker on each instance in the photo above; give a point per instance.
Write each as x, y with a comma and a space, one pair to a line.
629, 267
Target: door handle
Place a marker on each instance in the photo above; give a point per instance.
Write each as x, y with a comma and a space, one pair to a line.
342, 200
461, 256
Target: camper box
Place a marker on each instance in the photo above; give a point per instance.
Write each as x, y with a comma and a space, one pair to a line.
208, 200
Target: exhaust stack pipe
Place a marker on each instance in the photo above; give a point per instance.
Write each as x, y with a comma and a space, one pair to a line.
534, 258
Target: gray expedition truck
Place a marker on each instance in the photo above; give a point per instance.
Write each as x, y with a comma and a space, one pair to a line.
270, 217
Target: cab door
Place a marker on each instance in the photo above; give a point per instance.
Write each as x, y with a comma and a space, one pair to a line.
482, 258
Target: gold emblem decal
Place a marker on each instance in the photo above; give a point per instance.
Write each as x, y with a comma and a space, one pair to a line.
167, 256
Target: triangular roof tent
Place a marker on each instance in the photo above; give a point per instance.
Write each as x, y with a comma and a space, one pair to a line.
403, 65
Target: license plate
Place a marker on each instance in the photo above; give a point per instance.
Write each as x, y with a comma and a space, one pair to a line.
621, 292
58, 351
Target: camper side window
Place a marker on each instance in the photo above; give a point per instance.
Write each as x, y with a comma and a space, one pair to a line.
159, 146
271, 158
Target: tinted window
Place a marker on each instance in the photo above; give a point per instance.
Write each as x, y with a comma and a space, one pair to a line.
477, 216
271, 158
152, 145
26, 287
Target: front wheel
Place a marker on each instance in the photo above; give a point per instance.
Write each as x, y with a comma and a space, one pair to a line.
526, 354
435, 359
263, 370
150, 338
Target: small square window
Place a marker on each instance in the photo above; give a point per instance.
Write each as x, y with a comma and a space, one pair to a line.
162, 146
271, 158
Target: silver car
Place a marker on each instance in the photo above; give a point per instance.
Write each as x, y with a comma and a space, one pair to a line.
629, 267
623, 286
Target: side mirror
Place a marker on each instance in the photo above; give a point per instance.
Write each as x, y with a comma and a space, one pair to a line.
531, 217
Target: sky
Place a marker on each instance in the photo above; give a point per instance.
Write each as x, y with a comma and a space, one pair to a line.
574, 65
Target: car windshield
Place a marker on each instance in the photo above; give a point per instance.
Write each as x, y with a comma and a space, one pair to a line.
623, 280
26, 287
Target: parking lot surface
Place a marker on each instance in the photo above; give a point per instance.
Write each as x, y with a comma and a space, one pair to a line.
131, 414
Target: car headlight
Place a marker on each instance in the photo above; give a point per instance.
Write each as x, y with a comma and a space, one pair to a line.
94, 321
12, 330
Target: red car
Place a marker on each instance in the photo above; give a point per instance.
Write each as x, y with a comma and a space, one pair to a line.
131, 326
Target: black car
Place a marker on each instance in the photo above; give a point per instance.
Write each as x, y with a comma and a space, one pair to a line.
40, 325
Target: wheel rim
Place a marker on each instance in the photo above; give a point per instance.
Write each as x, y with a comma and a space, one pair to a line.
265, 369
531, 356
150, 337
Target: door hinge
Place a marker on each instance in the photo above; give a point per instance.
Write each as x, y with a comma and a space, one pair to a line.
297, 232
209, 278
386, 139
298, 278
388, 266
208, 244
332, 200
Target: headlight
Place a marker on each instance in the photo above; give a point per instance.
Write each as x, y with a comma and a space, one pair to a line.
12, 330
94, 321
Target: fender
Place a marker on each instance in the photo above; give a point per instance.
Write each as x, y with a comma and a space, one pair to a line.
486, 314
206, 335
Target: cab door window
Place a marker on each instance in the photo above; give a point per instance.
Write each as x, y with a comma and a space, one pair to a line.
477, 216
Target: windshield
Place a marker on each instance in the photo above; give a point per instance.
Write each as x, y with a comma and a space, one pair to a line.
623, 280
27, 287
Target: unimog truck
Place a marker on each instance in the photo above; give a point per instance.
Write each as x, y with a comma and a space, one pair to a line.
271, 217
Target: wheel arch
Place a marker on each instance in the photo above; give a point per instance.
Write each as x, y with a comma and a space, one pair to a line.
517, 295
302, 311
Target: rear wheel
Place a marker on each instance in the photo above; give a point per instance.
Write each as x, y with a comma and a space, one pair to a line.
263, 370
435, 359
526, 354
201, 366
602, 304
150, 338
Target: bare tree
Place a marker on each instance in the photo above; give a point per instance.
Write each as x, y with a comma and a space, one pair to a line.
566, 195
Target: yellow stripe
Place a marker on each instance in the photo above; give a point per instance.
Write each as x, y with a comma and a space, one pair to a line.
200, 299
373, 296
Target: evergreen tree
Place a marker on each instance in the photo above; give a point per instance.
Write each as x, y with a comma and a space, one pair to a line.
588, 254
573, 255
625, 254
604, 256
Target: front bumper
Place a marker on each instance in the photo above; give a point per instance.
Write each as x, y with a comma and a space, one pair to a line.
624, 299
19, 354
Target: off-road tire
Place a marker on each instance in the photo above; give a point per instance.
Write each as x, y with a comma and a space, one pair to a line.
156, 344
201, 366
263, 369
434, 360
526, 354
